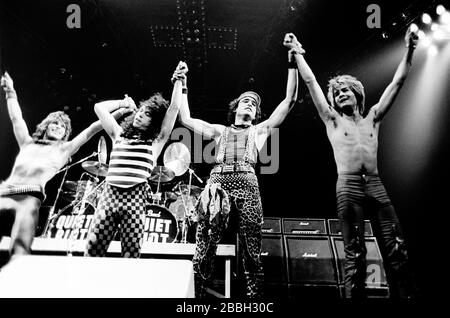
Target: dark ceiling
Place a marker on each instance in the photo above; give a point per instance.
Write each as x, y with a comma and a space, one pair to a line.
133, 46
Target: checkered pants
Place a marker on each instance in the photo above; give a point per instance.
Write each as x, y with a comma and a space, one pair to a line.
124, 207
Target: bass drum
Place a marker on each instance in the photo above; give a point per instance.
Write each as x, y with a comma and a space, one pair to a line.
160, 225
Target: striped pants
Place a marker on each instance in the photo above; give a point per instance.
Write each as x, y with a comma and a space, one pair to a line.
360, 197
119, 207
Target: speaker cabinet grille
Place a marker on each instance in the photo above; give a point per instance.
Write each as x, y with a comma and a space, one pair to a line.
310, 260
376, 275
273, 258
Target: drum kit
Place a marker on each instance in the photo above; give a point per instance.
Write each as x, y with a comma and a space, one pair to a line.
167, 205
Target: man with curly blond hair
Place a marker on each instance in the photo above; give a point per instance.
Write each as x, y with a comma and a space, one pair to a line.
40, 158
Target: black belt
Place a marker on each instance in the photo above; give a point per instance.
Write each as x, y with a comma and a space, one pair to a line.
232, 168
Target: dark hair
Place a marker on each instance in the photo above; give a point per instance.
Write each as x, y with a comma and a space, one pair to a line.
157, 106
356, 87
58, 116
232, 112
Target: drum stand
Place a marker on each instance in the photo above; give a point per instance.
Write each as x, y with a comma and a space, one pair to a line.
187, 213
75, 204
156, 197
52, 209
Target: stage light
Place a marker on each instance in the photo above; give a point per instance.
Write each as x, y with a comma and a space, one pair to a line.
440, 9
439, 34
426, 18
426, 42
421, 34
413, 27
432, 50
434, 26
445, 18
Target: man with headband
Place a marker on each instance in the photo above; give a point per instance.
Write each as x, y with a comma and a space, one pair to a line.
232, 193
353, 134
40, 158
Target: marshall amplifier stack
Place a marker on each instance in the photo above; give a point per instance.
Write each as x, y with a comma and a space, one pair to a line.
304, 257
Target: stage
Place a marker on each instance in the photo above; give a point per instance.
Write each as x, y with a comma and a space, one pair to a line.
57, 269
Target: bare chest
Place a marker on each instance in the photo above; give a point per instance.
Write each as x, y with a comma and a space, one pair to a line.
44, 156
348, 132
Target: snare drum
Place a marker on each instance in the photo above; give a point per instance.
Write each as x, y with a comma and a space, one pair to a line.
160, 225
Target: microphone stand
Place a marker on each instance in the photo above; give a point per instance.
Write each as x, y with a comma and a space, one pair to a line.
79, 161
191, 172
46, 233
186, 205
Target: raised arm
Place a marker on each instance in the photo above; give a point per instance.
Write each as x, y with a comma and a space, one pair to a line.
83, 137
14, 111
326, 112
108, 121
88, 133
280, 113
199, 126
391, 92
171, 115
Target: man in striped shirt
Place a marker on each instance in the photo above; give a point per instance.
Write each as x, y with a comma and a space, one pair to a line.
137, 143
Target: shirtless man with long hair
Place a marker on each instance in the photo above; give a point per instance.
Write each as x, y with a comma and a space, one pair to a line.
353, 134
40, 158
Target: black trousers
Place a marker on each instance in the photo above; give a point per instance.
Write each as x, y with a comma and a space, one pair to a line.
358, 196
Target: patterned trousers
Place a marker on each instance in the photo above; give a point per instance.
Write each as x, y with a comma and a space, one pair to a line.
245, 200
119, 207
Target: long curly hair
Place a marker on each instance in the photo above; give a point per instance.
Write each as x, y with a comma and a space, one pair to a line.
157, 106
356, 87
232, 106
58, 116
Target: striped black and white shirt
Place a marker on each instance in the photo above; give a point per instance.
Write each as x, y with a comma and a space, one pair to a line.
130, 164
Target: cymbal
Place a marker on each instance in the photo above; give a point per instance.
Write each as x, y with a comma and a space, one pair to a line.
95, 168
70, 185
177, 158
162, 174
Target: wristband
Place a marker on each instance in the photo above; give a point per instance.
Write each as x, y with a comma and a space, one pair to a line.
11, 94
184, 90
